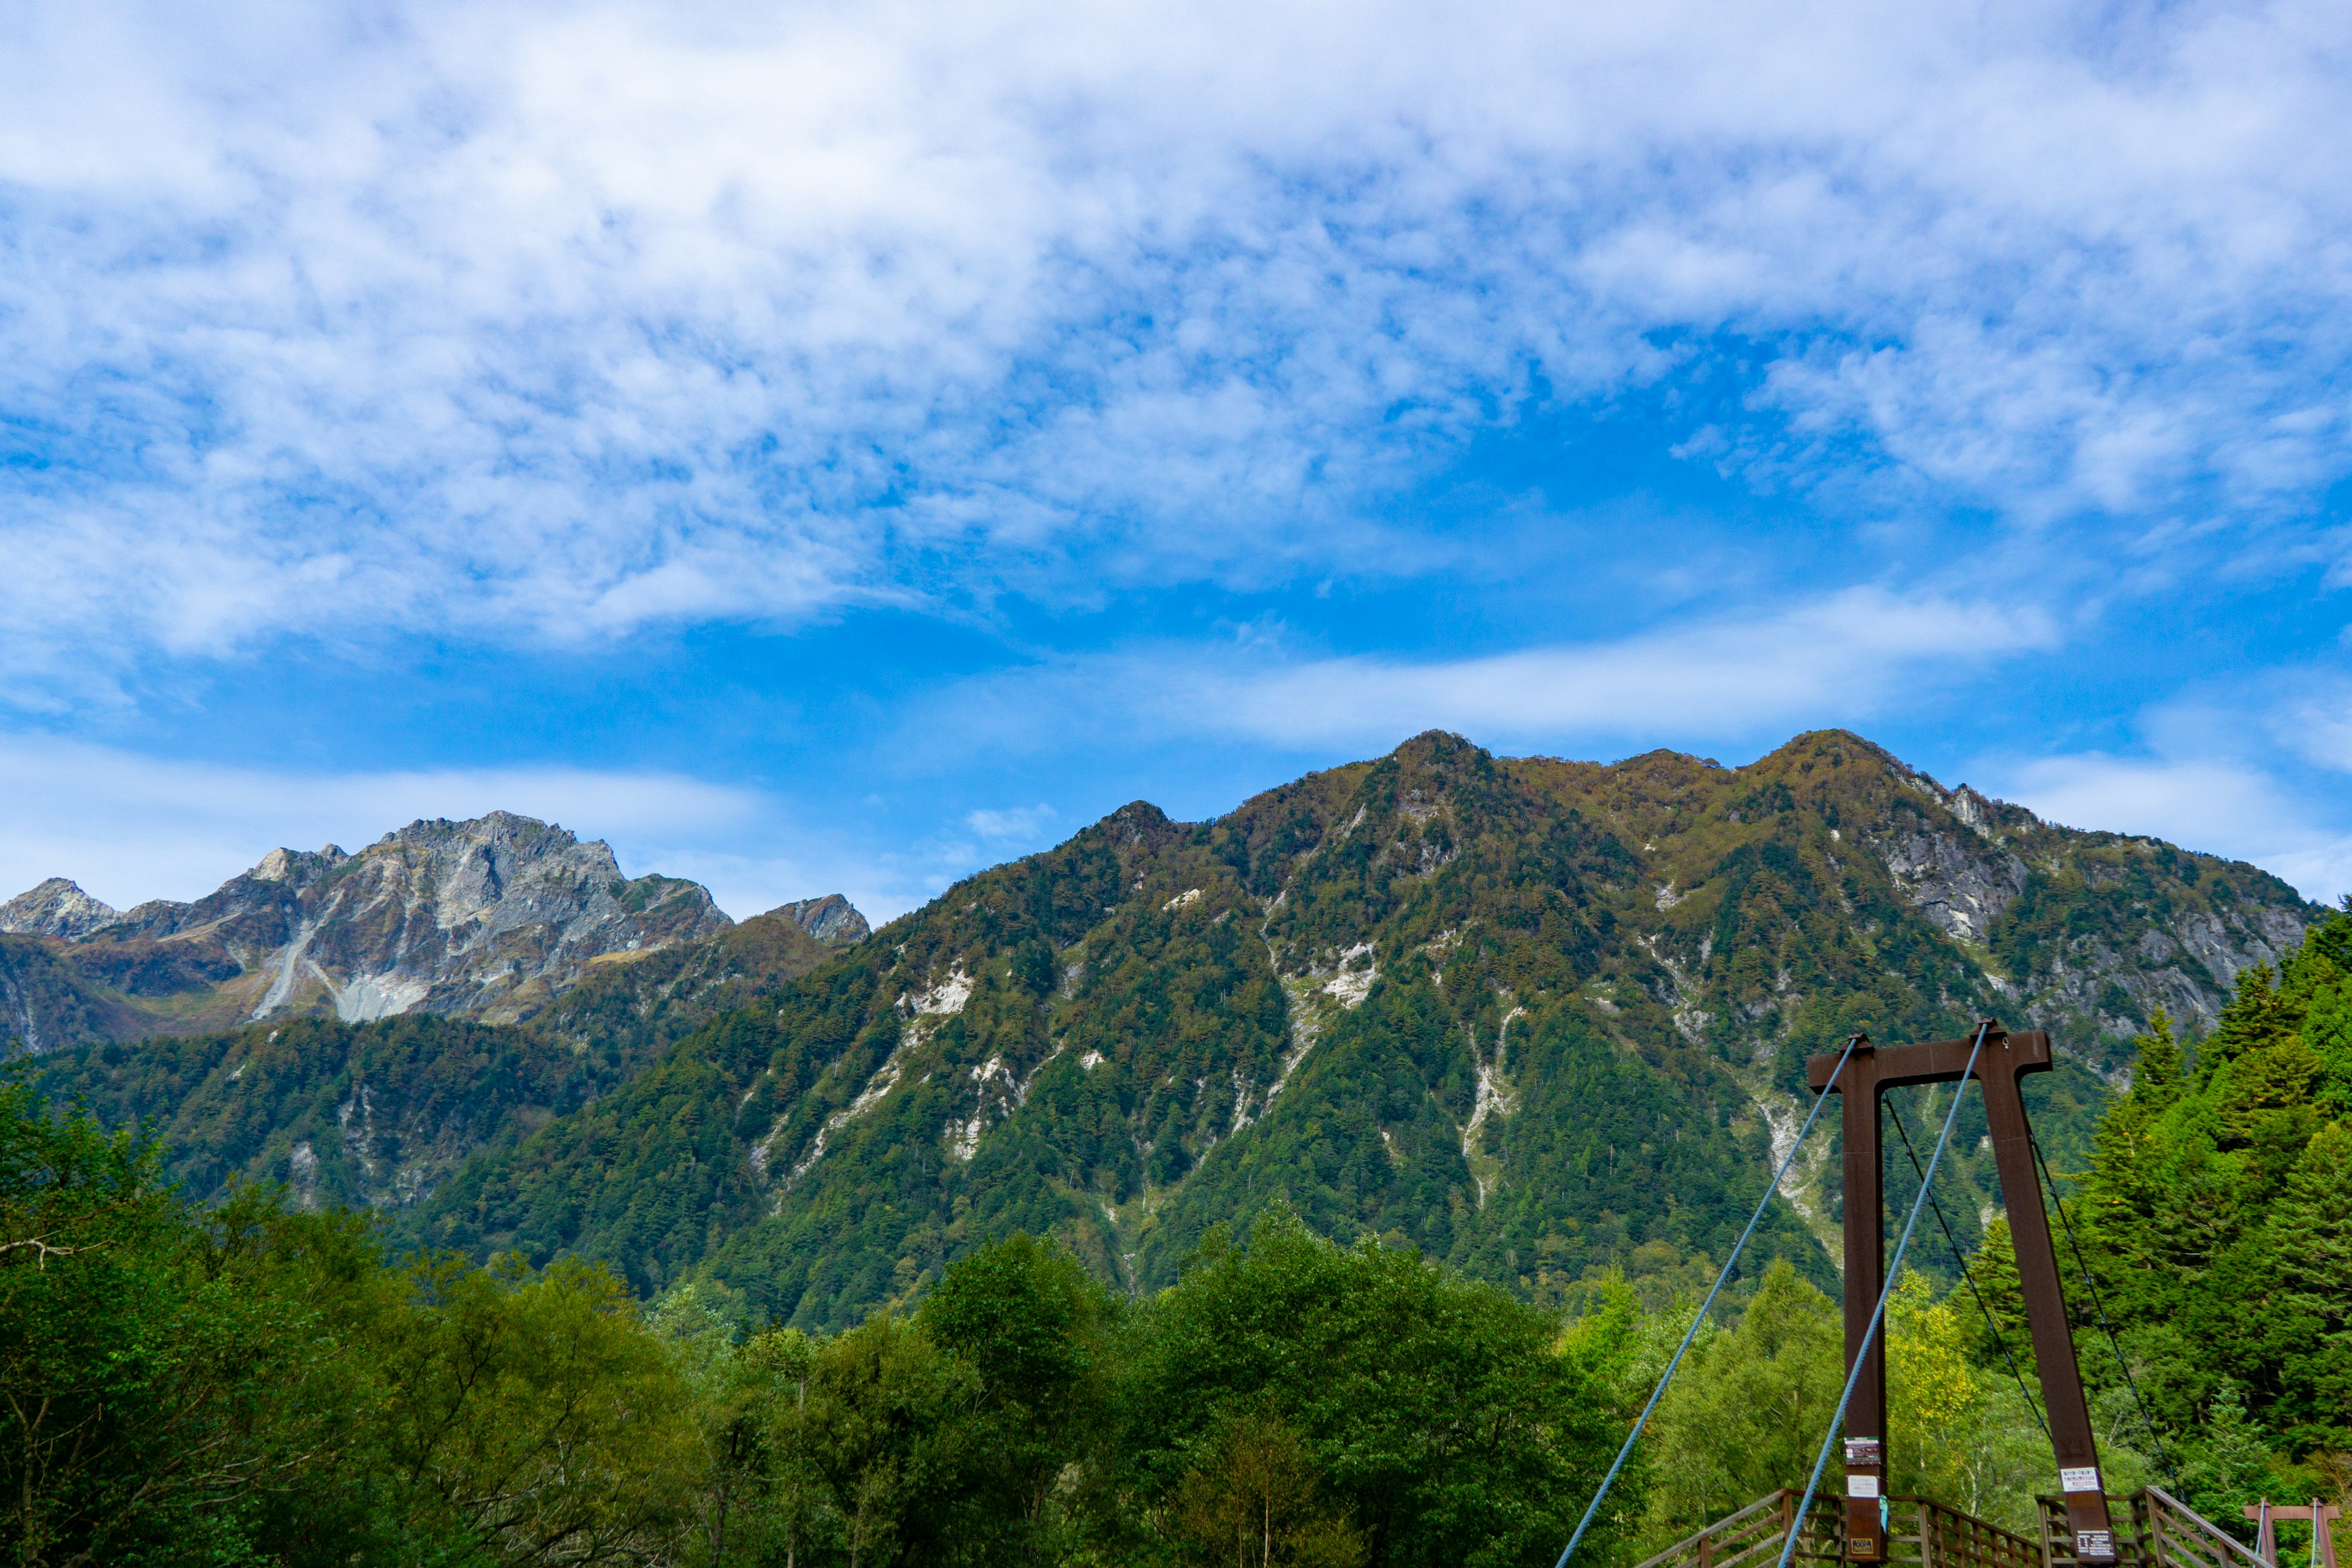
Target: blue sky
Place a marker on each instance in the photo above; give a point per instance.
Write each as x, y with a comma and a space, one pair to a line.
843, 447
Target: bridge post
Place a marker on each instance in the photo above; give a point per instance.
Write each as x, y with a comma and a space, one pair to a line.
2071, 1436
2005, 1060
1865, 1273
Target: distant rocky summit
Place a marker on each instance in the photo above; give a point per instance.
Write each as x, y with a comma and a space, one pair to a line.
56, 908
829, 919
490, 918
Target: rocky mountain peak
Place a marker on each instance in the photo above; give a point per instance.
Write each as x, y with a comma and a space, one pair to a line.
1513, 1009
56, 908
831, 918
490, 918
296, 867
499, 831
1138, 823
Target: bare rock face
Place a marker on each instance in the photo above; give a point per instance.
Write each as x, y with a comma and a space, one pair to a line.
489, 919
832, 919
56, 908
2082, 927
1959, 875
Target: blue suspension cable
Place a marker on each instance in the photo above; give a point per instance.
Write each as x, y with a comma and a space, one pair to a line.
1878, 1313
1655, 1394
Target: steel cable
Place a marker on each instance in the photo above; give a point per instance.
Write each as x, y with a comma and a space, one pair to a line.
2091, 1282
1878, 1313
1969, 1280
1658, 1392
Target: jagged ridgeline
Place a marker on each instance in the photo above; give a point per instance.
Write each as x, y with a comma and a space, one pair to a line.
490, 918
1533, 1016
451, 988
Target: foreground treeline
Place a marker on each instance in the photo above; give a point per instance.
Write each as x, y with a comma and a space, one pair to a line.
250, 1384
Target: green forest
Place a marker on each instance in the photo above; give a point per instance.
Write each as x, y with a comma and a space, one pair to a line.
246, 1383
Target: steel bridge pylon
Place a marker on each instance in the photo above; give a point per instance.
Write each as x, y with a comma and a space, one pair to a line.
2003, 1062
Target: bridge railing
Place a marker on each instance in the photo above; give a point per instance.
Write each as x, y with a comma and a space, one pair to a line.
2153, 1530
1920, 1531
1752, 1537
1923, 1530
2185, 1538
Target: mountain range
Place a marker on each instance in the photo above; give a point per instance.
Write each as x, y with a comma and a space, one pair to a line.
1538, 1017
491, 919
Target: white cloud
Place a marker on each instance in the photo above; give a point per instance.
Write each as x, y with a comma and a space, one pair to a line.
2218, 807
2198, 804
1840, 658
1026, 823
130, 828
2315, 722
515, 320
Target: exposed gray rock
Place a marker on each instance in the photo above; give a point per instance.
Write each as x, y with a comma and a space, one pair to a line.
1966, 865
1961, 883
490, 918
2187, 968
829, 919
56, 908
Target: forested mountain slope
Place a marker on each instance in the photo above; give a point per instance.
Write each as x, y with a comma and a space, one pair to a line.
378, 1114
490, 918
2218, 1209
1534, 1016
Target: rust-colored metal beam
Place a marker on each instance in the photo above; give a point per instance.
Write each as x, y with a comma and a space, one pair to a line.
2321, 1516
2006, 1059
1865, 1274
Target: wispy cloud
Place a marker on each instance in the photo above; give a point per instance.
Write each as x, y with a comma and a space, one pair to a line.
1840, 658
2217, 806
2251, 766
130, 828
1024, 823
531, 323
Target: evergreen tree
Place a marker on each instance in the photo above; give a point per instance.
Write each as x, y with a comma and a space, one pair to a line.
2304, 1324
2257, 1018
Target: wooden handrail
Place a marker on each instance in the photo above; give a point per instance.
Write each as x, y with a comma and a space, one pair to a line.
2024, 1545
1690, 1541
1946, 1537
1950, 1538
2251, 1558
1748, 1536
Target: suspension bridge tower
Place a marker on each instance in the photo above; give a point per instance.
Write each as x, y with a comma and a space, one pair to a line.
2002, 1060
